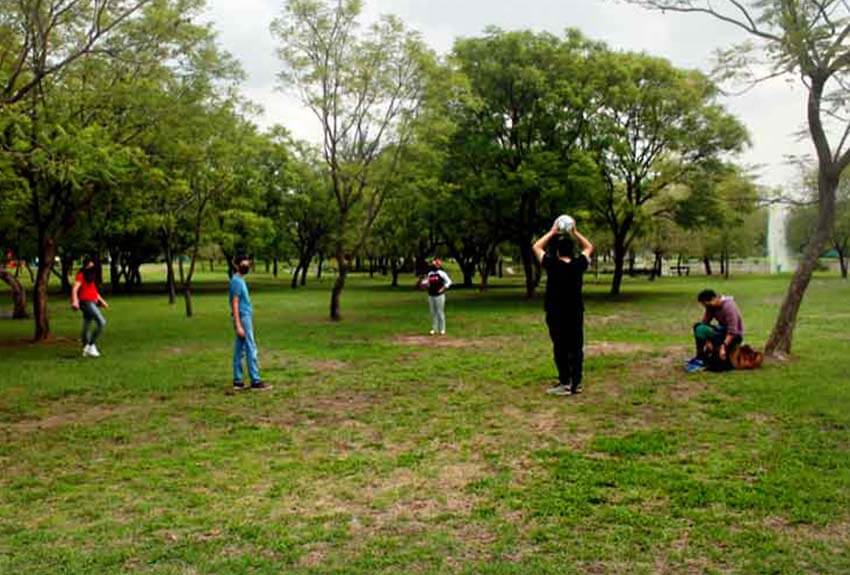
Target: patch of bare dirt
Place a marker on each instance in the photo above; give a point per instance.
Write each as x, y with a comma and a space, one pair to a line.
328, 365
338, 409
599, 348
69, 416
836, 531
434, 341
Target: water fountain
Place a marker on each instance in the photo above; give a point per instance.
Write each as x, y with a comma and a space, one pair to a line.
777, 243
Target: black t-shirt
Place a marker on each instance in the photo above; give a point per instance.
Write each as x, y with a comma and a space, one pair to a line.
563, 288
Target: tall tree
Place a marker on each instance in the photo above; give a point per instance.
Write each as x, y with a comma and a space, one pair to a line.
804, 220
806, 38
365, 88
656, 124
530, 109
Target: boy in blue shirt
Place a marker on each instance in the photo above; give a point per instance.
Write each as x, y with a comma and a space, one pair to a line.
243, 322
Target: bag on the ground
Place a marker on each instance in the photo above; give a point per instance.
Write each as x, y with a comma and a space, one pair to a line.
745, 357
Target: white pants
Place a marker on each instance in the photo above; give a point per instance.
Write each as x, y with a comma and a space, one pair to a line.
437, 305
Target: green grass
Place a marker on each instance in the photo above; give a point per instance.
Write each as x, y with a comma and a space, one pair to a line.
376, 453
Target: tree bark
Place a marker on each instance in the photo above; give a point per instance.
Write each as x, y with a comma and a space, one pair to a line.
19, 295
395, 271
527, 256
339, 284
707, 263
321, 263
274, 267
782, 335
296, 273
304, 269
842, 262
620, 252
46, 255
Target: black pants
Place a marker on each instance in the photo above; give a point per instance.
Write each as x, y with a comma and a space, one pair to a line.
567, 333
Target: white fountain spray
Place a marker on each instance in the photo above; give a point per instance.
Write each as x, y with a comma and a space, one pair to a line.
777, 241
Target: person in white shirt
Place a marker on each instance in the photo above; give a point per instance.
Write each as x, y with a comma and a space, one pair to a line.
437, 282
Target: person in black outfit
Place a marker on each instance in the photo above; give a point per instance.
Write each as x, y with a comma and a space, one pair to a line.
564, 303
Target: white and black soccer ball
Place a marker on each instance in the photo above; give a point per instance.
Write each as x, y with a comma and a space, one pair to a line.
565, 224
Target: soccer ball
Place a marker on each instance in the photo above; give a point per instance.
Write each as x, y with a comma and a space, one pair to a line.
565, 224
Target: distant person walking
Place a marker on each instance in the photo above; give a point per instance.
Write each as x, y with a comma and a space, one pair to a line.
86, 298
437, 282
564, 302
242, 313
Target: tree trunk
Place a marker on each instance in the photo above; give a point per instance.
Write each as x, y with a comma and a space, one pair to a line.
19, 295
169, 275
527, 256
620, 252
501, 268
726, 259
722, 265
65, 265
782, 335
46, 255
707, 263
187, 297
632, 261
656, 267
321, 263
274, 267
268, 265
395, 270
339, 284
842, 262
468, 271
295, 274
304, 269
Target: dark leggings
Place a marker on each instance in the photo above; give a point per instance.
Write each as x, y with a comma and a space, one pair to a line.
568, 344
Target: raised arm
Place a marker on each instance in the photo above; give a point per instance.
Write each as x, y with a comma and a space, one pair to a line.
539, 246
586, 246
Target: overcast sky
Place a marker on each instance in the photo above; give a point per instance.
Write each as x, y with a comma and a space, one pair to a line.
773, 112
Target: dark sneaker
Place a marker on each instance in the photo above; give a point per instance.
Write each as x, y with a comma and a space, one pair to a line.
260, 386
559, 389
238, 386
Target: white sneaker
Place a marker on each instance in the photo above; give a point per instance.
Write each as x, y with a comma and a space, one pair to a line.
432, 332
443, 332
93, 351
86, 350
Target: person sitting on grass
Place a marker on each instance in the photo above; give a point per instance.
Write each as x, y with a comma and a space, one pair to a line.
565, 304
86, 298
719, 333
242, 313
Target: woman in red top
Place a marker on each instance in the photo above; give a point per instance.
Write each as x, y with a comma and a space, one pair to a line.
86, 298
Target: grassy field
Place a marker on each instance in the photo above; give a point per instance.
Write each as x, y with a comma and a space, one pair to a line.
383, 451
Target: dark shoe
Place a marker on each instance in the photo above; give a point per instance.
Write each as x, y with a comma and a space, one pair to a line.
260, 386
559, 389
238, 386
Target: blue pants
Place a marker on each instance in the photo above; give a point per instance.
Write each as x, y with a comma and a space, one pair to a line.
246, 346
91, 313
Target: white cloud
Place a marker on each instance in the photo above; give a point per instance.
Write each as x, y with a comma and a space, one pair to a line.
773, 112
